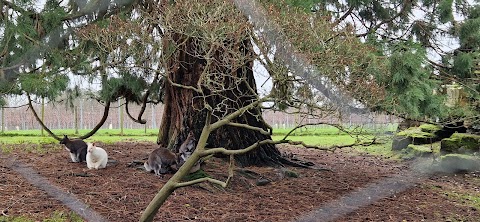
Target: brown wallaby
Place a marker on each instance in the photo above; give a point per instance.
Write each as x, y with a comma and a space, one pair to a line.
186, 150
161, 161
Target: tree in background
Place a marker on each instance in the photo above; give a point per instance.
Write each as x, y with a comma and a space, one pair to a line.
424, 33
43, 57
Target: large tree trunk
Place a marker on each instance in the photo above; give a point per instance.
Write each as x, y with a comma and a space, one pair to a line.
184, 108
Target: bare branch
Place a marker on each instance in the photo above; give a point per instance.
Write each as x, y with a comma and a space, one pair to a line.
100, 123
14, 107
306, 145
402, 11
240, 151
344, 16
330, 148
139, 120
183, 86
235, 114
338, 126
39, 120
201, 180
145, 100
246, 126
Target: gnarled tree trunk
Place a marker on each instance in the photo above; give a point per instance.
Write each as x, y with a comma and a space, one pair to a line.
184, 108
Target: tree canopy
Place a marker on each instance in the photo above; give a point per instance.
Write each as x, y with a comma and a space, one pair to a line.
433, 43
381, 56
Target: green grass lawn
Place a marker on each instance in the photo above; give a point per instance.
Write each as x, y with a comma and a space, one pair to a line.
321, 140
317, 136
103, 135
322, 136
330, 130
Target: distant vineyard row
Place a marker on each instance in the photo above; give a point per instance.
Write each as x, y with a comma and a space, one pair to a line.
90, 112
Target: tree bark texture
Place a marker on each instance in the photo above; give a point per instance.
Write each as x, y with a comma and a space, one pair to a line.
184, 108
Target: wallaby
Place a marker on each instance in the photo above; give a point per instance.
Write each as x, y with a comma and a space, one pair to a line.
97, 157
186, 150
161, 161
77, 148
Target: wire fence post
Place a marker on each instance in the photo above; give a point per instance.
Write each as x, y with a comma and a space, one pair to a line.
43, 115
3, 119
75, 113
120, 110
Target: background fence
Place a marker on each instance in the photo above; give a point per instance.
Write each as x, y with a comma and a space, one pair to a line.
58, 116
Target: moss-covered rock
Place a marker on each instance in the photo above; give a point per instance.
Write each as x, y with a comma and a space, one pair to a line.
459, 162
430, 128
414, 131
419, 150
449, 145
412, 135
461, 143
400, 142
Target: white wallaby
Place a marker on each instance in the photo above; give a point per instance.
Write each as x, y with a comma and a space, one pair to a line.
97, 157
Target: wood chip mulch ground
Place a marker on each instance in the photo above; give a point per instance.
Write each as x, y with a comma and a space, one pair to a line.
120, 192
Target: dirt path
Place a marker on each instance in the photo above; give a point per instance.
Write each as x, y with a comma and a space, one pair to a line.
359, 188
69, 200
417, 173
